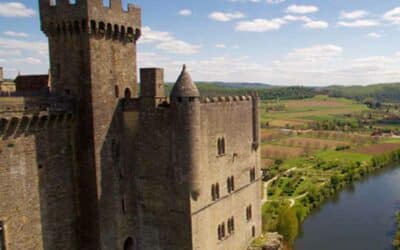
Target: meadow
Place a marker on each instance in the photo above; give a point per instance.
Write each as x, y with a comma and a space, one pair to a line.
312, 148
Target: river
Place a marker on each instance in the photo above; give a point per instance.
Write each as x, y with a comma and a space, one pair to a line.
362, 217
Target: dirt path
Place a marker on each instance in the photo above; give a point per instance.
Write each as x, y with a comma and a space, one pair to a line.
293, 200
265, 198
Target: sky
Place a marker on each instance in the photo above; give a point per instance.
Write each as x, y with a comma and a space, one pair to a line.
280, 42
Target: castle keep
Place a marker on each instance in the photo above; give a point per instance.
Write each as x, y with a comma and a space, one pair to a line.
92, 164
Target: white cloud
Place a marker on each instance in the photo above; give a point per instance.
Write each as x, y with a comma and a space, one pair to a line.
302, 9
292, 18
308, 22
15, 34
225, 16
185, 12
361, 23
317, 53
356, 14
393, 16
315, 65
374, 35
179, 47
4, 53
40, 48
316, 25
220, 46
15, 9
167, 42
260, 25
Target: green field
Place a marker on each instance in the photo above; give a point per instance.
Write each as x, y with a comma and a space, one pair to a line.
300, 113
312, 148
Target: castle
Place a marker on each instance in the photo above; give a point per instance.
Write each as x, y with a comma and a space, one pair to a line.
94, 165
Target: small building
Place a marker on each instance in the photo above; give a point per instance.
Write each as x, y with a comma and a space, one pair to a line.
6, 87
28, 84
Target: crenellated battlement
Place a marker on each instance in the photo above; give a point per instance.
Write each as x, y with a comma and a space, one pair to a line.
15, 126
226, 99
64, 18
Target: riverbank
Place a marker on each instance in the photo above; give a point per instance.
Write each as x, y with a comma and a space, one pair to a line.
396, 241
321, 177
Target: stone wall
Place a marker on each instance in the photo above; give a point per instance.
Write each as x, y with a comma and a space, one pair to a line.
230, 119
37, 188
93, 57
163, 199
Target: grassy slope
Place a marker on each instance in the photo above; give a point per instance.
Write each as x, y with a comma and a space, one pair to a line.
308, 110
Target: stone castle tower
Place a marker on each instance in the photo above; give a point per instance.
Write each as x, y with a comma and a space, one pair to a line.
93, 165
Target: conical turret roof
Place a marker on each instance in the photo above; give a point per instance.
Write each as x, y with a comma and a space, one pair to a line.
184, 86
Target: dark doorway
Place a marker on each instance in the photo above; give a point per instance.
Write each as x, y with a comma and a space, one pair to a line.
129, 244
2, 237
127, 93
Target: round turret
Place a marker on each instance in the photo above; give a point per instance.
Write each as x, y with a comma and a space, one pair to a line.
184, 86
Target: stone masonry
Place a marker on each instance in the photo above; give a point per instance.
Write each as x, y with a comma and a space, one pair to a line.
93, 165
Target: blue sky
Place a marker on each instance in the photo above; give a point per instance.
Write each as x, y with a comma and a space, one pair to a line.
283, 42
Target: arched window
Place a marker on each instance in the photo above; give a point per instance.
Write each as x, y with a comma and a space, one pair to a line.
93, 25
213, 193
116, 91
129, 244
127, 93
109, 30
252, 174
223, 230
219, 146
102, 27
217, 191
231, 225
233, 183
122, 31
228, 184
130, 35
219, 232
249, 213
116, 31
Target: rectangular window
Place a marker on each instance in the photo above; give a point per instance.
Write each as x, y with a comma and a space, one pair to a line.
252, 174
123, 205
2, 237
249, 212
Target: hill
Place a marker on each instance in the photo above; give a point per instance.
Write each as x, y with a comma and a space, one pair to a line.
389, 92
267, 92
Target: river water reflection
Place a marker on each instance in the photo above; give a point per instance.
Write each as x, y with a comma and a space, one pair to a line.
359, 218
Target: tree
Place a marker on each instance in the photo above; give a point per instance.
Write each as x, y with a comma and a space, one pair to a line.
335, 181
288, 224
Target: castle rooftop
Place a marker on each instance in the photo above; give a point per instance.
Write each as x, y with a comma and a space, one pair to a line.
184, 86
